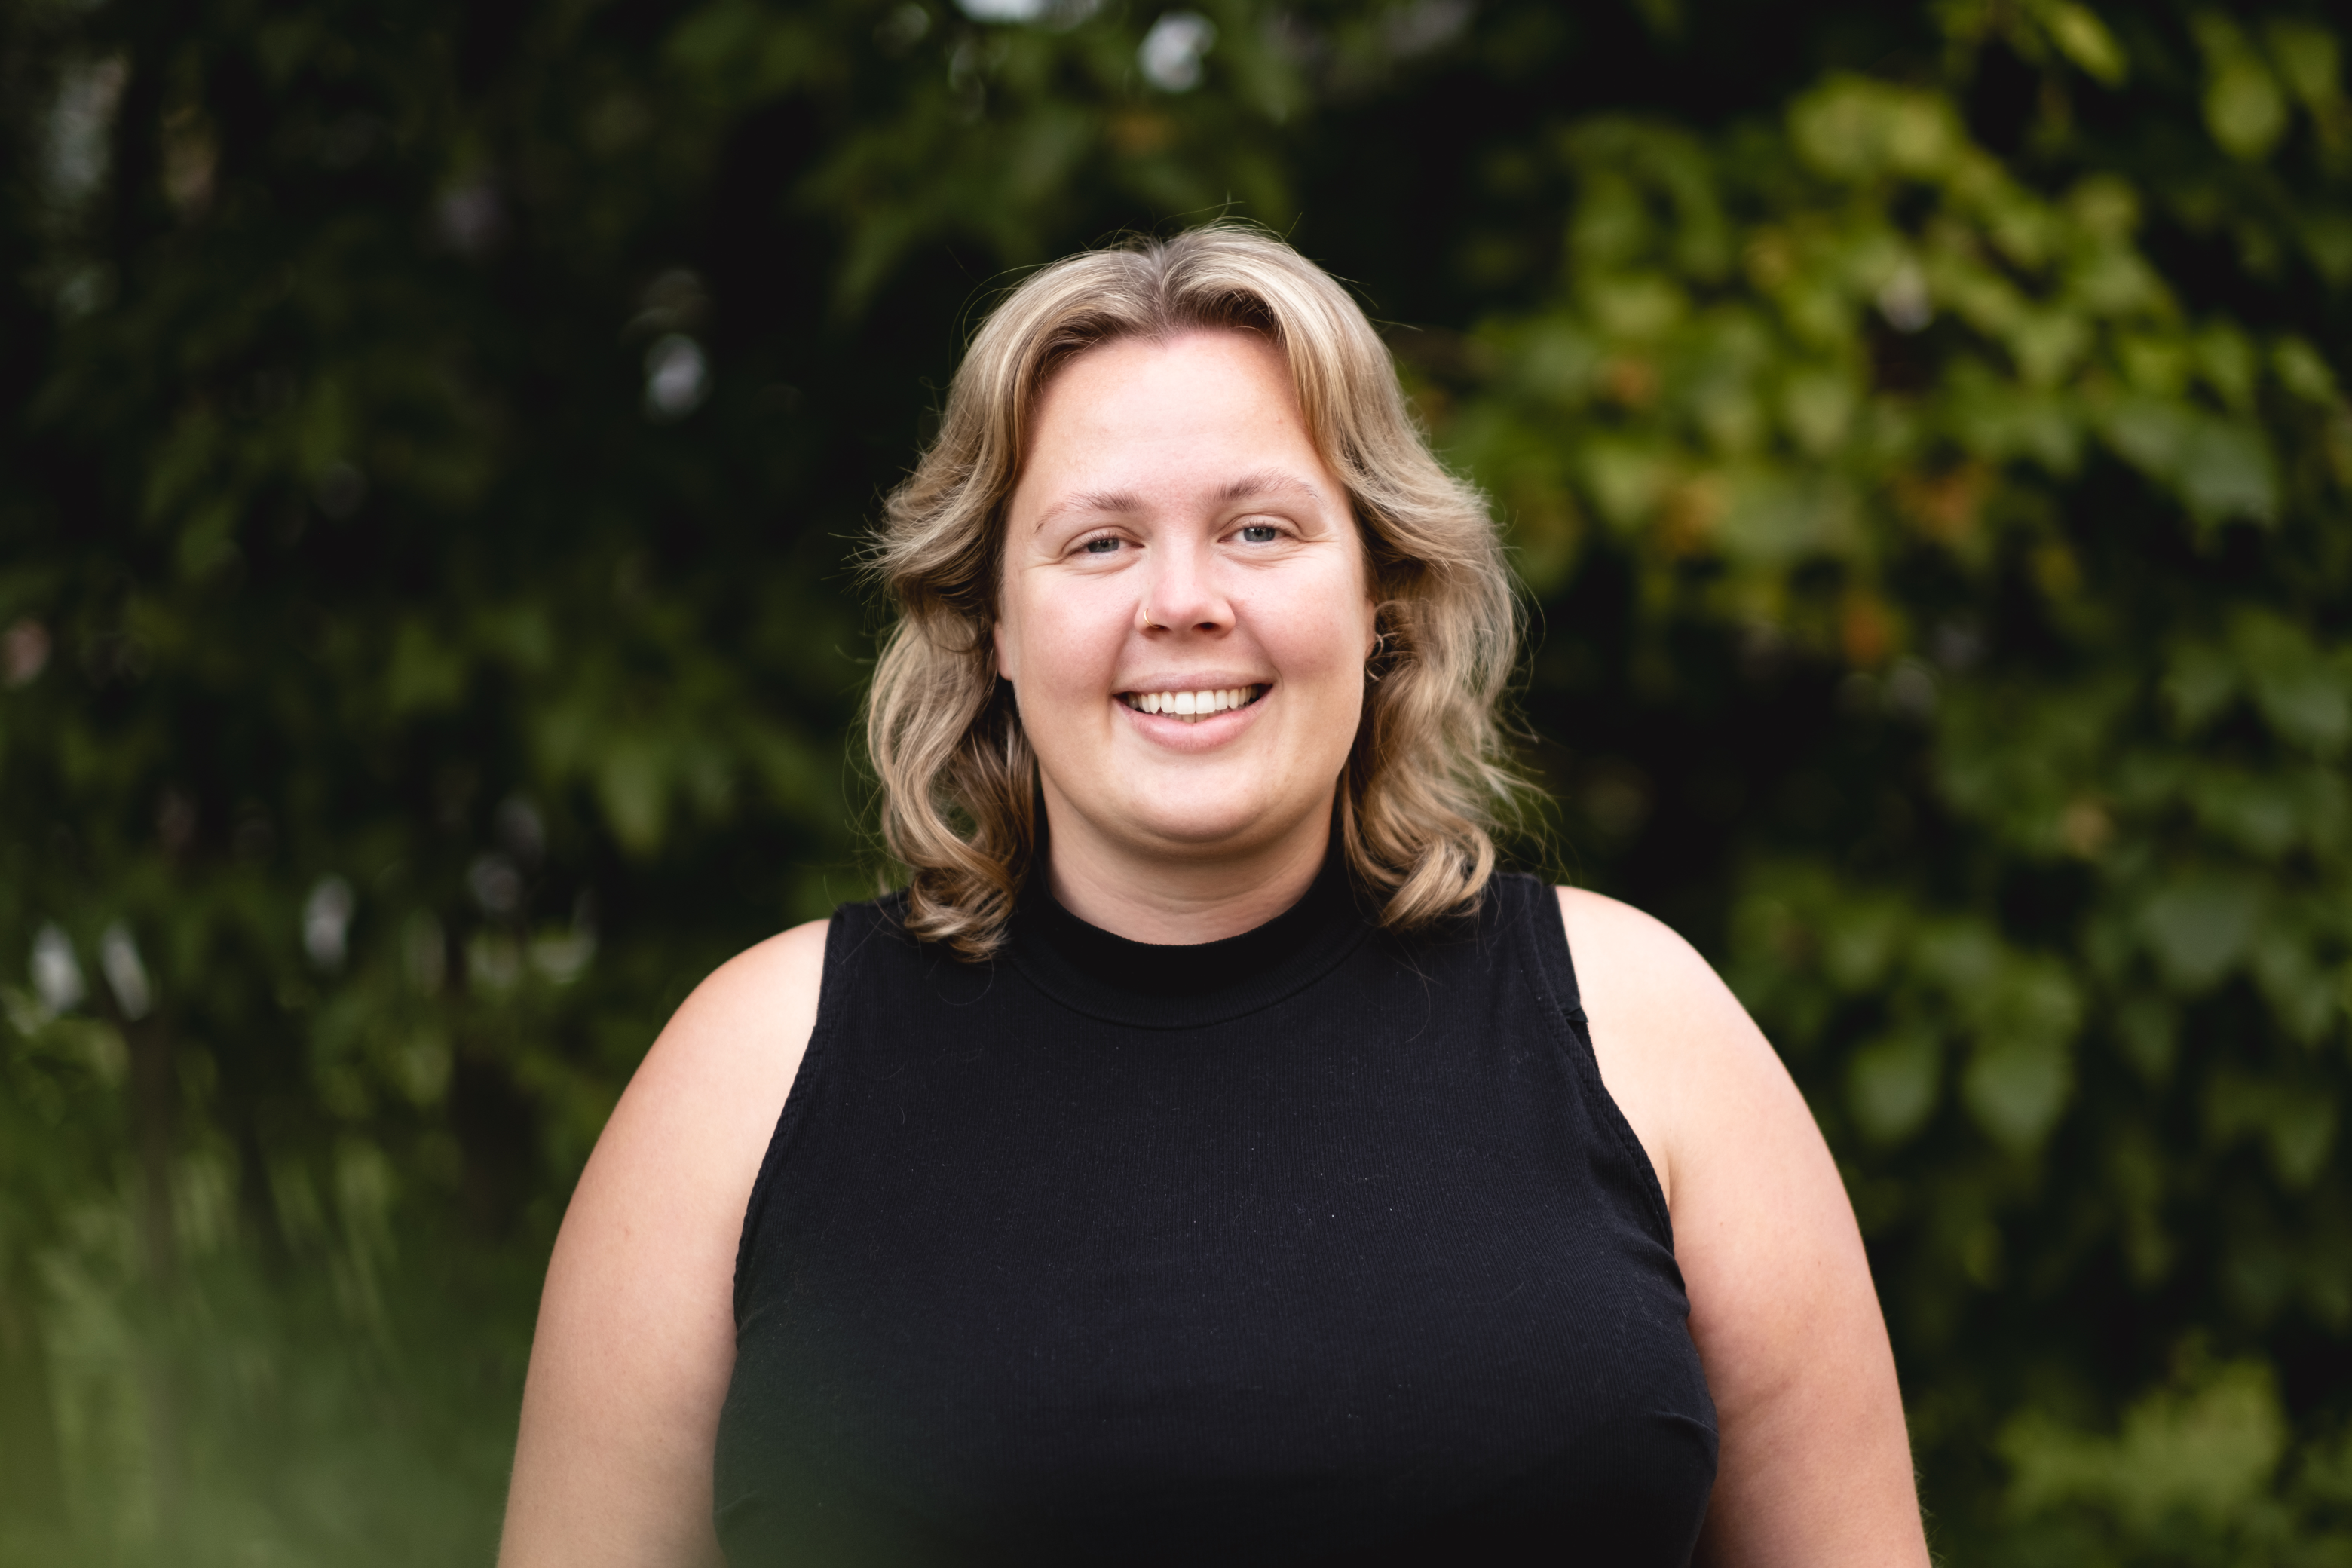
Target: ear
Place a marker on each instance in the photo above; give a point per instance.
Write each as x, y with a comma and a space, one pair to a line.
1005, 664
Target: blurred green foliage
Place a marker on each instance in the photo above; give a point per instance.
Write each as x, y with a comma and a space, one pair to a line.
435, 439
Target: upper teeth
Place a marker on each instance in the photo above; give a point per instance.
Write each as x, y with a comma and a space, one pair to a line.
1195, 704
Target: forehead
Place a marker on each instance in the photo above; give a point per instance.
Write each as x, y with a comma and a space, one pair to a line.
1201, 400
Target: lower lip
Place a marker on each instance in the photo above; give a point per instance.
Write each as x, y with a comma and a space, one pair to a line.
1169, 729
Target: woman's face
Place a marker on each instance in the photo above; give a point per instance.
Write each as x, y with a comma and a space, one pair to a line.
1185, 613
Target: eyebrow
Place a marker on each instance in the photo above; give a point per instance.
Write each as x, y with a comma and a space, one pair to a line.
1266, 482
1089, 502
1248, 487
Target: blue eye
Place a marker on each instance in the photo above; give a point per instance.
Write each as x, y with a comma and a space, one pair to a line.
1102, 546
1260, 534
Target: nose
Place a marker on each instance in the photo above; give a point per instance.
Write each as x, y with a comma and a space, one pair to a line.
1180, 592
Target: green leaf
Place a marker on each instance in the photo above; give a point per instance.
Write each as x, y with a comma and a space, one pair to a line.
2146, 1028
2260, 812
2225, 472
2206, 1450
2015, 1088
2303, 373
2305, 694
1626, 479
1860, 941
2200, 682
1861, 128
1892, 1085
208, 543
2082, 38
2326, 236
1636, 308
2244, 109
2226, 358
2304, 997
1772, 519
2149, 433
1963, 956
2296, 1122
426, 671
2199, 927
2309, 57
2047, 344
632, 787
1817, 406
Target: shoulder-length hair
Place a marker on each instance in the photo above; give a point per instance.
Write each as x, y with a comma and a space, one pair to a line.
1428, 776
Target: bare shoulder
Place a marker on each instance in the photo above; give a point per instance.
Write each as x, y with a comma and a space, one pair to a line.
1676, 1050
1631, 958
742, 1029
718, 1074
1639, 969
1814, 1464
636, 1339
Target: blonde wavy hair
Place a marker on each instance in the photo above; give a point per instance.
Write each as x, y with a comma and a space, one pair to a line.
1428, 777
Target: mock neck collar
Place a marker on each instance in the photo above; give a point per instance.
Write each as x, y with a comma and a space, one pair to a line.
1187, 984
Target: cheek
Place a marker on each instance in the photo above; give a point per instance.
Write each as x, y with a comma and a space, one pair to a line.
1323, 634
1065, 640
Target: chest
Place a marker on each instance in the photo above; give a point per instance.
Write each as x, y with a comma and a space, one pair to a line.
1358, 1262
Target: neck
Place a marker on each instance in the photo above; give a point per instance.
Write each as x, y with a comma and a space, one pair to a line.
1179, 899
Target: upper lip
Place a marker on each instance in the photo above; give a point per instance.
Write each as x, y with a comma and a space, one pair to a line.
1202, 680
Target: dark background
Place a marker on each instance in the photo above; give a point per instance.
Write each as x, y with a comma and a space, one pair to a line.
436, 441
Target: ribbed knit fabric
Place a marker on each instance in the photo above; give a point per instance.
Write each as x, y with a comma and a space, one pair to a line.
1310, 1245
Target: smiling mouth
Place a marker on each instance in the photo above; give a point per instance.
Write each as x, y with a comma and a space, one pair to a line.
1192, 707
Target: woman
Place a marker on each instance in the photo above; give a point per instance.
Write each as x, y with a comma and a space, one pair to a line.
1208, 1157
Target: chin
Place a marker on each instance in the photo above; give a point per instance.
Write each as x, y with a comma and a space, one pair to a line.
1192, 827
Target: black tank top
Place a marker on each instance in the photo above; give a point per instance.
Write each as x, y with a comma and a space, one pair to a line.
1309, 1245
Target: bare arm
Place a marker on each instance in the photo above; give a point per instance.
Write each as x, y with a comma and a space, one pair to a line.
637, 1326
1816, 1465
